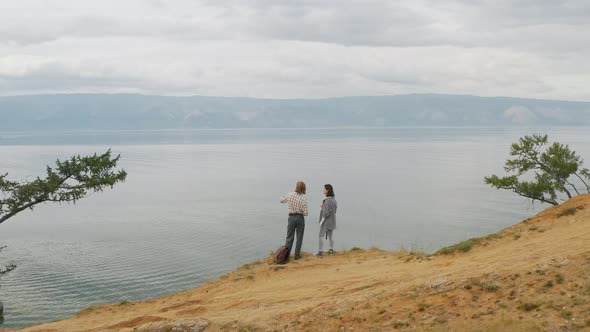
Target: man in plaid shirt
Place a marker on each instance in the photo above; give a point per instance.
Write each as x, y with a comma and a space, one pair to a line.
297, 204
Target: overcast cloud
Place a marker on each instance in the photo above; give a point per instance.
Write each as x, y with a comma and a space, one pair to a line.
297, 49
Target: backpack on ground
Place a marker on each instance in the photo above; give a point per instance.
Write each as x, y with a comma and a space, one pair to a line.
281, 255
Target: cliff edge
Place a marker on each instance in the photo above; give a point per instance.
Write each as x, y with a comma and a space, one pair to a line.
533, 276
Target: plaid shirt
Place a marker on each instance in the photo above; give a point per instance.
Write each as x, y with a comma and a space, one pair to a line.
297, 203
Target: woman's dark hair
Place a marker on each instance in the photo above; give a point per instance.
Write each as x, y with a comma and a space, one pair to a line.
330, 190
300, 187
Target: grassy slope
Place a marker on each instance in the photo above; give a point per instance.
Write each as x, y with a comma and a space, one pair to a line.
534, 276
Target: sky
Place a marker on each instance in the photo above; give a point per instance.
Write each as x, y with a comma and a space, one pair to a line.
297, 49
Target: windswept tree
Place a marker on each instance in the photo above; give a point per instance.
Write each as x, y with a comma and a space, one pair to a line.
543, 173
68, 182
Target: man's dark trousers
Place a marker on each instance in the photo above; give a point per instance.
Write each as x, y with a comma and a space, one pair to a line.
296, 225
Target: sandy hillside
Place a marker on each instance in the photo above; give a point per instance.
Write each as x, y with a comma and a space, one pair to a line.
533, 276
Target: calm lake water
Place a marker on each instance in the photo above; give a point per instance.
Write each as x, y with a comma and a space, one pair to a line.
199, 203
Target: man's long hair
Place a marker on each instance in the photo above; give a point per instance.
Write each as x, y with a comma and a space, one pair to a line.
300, 188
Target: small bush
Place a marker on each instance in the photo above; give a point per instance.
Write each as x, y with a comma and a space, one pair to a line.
559, 278
528, 306
247, 328
445, 251
549, 284
465, 246
494, 236
491, 287
568, 212
566, 314
356, 249
400, 324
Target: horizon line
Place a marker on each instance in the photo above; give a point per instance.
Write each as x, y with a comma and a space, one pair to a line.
278, 99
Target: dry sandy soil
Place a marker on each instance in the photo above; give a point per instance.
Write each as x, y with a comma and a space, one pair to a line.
533, 276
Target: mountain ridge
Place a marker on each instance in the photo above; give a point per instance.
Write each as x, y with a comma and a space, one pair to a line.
137, 111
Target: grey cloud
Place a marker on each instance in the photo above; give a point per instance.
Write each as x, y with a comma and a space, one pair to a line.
56, 76
529, 48
536, 25
356, 23
512, 13
21, 32
527, 25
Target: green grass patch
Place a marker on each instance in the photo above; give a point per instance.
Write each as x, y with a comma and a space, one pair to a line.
464, 246
467, 245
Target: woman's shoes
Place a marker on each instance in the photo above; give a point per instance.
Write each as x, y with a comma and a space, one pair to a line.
321, 253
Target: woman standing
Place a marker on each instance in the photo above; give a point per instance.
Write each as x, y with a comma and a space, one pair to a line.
327, 219
297, 204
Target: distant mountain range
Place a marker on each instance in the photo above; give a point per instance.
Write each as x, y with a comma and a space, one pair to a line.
134, 111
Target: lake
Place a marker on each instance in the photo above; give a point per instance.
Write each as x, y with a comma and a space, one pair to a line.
199, 203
